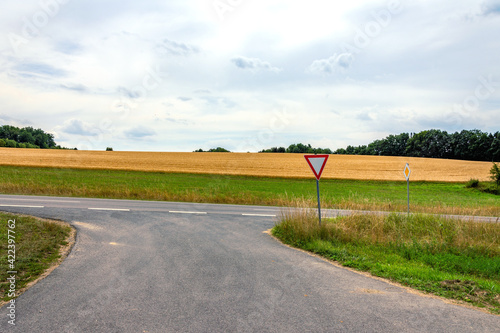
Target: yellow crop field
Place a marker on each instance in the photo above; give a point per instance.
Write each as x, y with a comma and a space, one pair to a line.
251, 164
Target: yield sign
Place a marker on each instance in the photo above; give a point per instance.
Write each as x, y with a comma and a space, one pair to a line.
317, 164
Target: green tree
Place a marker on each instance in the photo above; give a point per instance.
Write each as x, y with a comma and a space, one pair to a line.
327, 151
10, 143
471, 145
494, 150
350, 150
299, 148
9, 132
340, 151
495, 174
218, 150
432, 143
274, 150
25, 136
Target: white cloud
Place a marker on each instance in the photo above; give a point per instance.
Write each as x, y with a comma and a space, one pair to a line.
78, 127
160, 70
176, 48
334, 64
253, 64
491, 7
139, 132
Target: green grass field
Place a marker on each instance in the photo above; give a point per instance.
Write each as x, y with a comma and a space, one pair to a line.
431, 197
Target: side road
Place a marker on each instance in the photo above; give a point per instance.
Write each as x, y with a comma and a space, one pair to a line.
161, 267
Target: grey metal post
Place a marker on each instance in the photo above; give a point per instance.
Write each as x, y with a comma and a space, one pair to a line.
408, 192
319, 205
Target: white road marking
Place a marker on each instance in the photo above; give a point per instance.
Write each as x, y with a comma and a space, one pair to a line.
22, 206
45, 200
262, 215
112, 209
184, 212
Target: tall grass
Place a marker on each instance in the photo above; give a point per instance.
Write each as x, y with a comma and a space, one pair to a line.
448, 257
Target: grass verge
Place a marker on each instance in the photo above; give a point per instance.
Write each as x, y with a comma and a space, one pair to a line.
455, 259
430, 197
486, 187
37, 243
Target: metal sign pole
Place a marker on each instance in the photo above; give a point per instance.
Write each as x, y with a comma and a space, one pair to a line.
408, 192
407, 172
317, 164
319, 205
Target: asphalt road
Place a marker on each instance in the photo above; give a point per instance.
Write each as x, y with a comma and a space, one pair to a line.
177, 267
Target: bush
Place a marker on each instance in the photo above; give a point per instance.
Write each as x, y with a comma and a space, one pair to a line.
10, 143
109, 149
487, 187
472, 183
491, 188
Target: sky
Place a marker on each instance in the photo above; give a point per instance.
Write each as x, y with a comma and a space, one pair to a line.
180, 75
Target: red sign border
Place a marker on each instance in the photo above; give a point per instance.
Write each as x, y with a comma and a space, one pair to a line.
307, 157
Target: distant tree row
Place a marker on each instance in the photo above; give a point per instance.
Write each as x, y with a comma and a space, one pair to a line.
213, 150
13, 144
465, 145
27, 137
298, 148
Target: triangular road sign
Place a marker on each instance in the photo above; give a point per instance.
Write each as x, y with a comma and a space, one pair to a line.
317, 164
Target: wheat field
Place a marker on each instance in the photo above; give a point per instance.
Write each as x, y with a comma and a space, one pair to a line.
252, 164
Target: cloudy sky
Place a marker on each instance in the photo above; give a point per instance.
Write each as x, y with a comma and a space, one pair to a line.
179, 75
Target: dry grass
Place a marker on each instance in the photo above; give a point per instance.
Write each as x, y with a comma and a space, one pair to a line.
252, 164
427, 230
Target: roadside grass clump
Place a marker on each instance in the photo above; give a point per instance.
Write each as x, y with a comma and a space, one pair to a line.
451, 258
37, 246
486, 187
472, 183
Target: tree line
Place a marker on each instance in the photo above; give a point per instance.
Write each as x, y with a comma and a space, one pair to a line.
465, 145
298, 148
26, 137
212, 150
